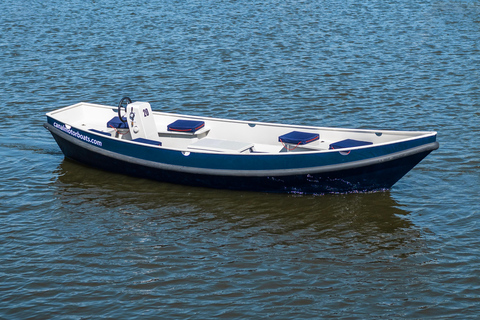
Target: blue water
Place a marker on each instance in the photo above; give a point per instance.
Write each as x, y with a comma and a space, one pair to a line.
79, 243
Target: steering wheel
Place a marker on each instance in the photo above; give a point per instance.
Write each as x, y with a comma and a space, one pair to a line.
120, 105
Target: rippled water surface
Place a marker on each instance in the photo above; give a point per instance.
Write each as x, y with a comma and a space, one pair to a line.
79, 243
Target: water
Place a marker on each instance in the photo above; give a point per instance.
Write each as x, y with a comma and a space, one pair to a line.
79, 243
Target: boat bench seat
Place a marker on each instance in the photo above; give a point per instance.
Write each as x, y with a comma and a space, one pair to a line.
349, 143
298, 137
115, 122
217, 145
185, 129
186, 126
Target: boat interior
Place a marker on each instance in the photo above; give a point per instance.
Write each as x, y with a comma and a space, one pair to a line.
137, 123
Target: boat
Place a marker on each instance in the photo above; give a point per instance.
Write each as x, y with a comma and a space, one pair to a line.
132, 139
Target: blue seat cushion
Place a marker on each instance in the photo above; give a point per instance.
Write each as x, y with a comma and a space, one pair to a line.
349, 143
116, 123
298, 137
186, 125
148, 141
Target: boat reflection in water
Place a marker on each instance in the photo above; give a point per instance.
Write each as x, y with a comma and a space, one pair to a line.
148, 209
